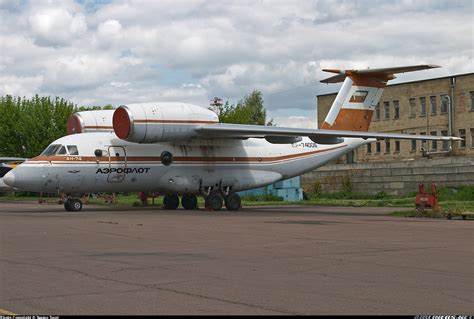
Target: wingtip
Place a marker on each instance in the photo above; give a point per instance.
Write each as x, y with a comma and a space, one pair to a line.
337, 71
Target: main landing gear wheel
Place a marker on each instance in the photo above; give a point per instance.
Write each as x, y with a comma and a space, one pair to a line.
214, 201
189, 201
171, 201
73, 205
232, 201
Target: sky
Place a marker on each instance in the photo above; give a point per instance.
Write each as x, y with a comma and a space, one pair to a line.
124, 51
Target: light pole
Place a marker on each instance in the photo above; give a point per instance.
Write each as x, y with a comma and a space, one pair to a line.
450, 119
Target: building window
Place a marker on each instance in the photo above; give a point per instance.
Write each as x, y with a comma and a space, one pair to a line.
462, 134
396, 108
412, 103
377, 148
377, 112
444, 103
369, 148
472, 137
351, 157
397, 147
386, 106
434, 144
445, 143
387, 146
413, 144
472, 100
433, 104
423, 106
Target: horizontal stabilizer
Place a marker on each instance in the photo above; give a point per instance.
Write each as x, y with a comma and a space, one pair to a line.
385, 73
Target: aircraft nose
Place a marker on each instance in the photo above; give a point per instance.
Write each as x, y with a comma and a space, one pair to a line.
9, 179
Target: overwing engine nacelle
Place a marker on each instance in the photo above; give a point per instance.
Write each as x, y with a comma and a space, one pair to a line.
160, 122
90, 121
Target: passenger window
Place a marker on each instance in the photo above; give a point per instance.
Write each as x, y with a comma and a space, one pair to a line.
62, 151
73, 150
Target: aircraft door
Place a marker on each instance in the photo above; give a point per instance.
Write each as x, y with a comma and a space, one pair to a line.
117, 164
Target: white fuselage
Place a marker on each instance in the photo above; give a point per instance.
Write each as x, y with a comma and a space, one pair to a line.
198, 164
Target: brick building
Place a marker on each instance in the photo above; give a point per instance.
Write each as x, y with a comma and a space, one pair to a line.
419, 107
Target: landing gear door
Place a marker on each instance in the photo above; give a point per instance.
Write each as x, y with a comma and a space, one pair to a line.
117, 164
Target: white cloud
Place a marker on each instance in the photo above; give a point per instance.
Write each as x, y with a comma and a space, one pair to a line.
126, 51
109, 32
20, 86
295, 121
56, 26
119, 84
85, 70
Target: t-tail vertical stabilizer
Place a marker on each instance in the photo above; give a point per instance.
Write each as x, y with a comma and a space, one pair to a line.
355, 103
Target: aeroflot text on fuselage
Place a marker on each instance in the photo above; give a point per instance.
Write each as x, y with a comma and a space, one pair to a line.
120, 170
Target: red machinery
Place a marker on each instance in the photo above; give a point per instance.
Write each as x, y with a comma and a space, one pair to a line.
426, 200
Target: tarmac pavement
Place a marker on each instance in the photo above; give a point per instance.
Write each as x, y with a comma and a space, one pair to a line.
264, 260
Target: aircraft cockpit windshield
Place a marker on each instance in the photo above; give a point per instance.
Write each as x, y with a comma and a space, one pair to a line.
58, 149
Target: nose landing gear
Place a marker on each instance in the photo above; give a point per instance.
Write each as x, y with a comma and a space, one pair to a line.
73, 205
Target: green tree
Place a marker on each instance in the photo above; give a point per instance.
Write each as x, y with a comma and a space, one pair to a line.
94, 108
250, 110
28, 126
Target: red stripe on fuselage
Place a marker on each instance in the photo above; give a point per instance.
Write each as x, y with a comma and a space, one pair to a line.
177, 159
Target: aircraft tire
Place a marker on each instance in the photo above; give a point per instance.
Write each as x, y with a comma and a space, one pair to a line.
189, 201
215, 201
73, 205
232, 201
171, 201
67, 205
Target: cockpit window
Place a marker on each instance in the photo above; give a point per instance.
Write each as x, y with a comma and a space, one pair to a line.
57, 149
73, 150
4, 170
62, 151
51, 150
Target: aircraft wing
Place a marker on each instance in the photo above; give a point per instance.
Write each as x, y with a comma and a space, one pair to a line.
286, 134
12, 159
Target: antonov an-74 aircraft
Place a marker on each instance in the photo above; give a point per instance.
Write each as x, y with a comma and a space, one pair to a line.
182, 149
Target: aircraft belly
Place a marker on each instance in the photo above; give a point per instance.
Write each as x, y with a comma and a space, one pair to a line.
183, 180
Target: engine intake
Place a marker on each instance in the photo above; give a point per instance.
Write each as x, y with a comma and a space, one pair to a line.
160, 122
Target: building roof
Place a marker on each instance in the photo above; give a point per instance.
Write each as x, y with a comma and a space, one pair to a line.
410, 82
